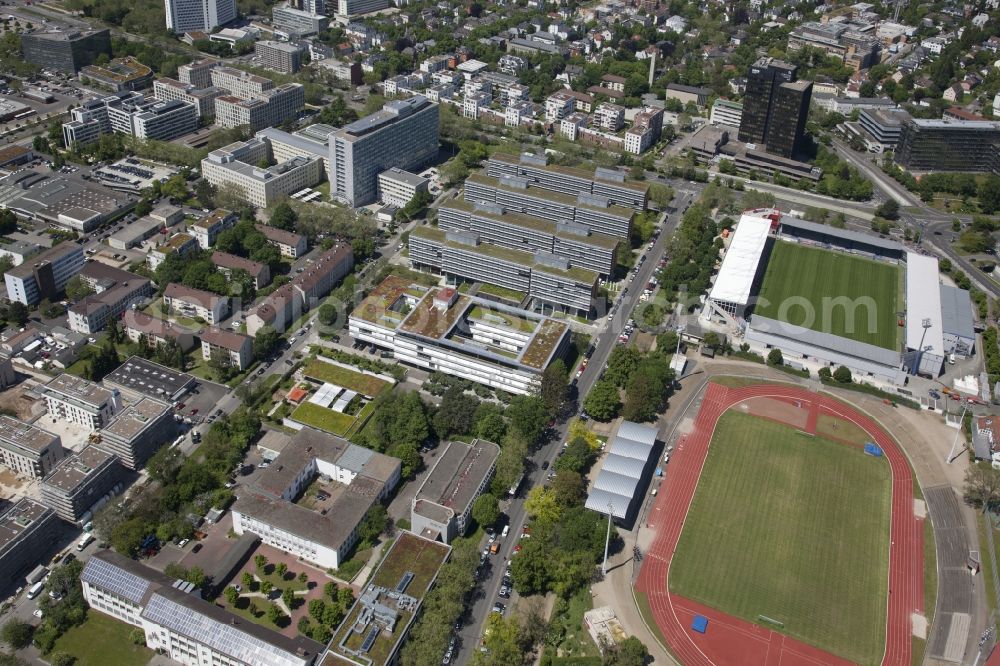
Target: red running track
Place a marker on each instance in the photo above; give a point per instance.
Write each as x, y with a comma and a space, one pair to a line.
730, 640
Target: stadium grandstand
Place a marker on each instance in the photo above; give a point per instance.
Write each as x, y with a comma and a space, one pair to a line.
829, 297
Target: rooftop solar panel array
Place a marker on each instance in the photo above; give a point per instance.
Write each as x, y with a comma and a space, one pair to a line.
108, 576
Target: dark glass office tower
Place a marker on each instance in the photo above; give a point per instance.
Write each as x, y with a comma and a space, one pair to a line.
775, 108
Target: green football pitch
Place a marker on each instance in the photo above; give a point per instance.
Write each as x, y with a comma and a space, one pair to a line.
793, 528
833, 292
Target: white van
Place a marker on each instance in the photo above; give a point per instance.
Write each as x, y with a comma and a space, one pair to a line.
505, 532
36, 589
85, 541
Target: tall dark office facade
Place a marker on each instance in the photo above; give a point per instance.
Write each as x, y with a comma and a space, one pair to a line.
775, 108
949, 145
65, 51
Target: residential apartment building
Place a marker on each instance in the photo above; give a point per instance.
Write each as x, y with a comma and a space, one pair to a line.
238, 82
178, 623
549, 281
949, 145
45, 275
404, 134
443, 503
289, 243
515, 194
272, 107
130, 114
82, 483
26, 449
608, 184
77, 400
726, 113
398, 187
291, 23
775, 108
226, 263
558, 105
26, 529
172, 90
68, 51
265, 508
199, 15
115, 291
497, 226
646, 129
610, 117
235, 348
136, 433
155, 331
180, 244
440, 330
195, 303
207, 228
359, 7
260, 186
279, 56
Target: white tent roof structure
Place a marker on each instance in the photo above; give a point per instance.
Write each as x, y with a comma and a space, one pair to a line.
735, 278
923, 302
619, 478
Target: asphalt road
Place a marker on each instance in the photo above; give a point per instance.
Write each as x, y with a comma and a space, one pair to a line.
604, 341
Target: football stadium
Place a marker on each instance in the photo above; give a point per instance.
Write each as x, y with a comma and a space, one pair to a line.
829, 297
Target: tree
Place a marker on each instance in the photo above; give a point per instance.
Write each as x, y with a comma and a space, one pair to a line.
661, 195
842, 374
542, 505
363, 248
486, 510
775, 358
260, 561
66, 659
283, 217
266, 587
231, 595
103, 362
274, 614
282, 569
528, 417
825, 374
128, 535
888, 209
17, 313
982, 485
621, 364
456, 414
502, 641
329, 590
247, 579
568, 488
553, 386
629, 652
328, 314
288, 596
711, 340
602, 403
375, 522
77, 289
303, 577
16, 634
577, 457
317, 607
642, 398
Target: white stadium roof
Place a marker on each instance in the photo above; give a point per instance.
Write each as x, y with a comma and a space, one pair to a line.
735, 278
923, 301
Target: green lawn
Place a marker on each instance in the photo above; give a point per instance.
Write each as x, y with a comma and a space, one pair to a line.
102, 640
800, 278
349, 379
322, 418
794, 528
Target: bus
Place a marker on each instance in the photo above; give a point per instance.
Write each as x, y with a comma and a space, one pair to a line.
517, 485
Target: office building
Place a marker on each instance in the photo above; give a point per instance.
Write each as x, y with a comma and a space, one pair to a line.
76, 400
404, 134
234, 349
19, 251
180, 244
45, 275
82, 483
609, 185
359, 478
26, 449
199, 15
398, 187
238, 82
775, 108
227, 263
195, 303
208, 227
115, 291
292, 23
311, 142
261, 186
949, 145
498, 226
442, 508
172, 90
65, 52
26, 537
271, 107
279, 56
516, 194
688, 94
726, 113
181, 625
848, 41
138, 431
358, 7
131, 114
549, 281
155, 331
198, 73
120, 75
